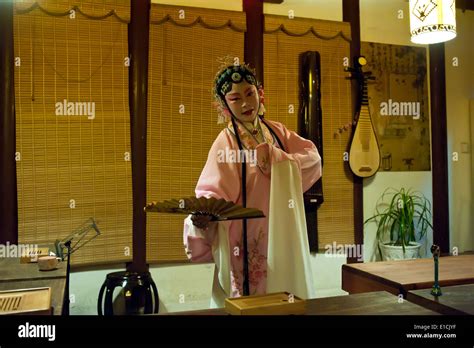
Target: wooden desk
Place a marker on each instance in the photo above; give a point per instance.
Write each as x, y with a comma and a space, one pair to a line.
16, 275
399, 277
373, 303
457, 299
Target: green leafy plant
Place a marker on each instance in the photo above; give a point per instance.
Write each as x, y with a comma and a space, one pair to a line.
406, 210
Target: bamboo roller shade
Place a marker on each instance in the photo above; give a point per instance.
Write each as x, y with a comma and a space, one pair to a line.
67, 158
281, 62
89, 7
183, 62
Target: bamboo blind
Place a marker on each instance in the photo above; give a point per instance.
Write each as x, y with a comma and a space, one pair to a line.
94, 8
281, 52
182, 66
66, 157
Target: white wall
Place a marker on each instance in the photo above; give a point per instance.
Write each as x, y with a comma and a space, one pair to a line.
84, 290
320, 9
230, 5
380, 22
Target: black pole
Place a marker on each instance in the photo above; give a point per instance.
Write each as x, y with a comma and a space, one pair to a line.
351, 14
439, 147
253, 55
8, 182
310, 126
253, 37
246, 252
138, 45
66, 301
246, 286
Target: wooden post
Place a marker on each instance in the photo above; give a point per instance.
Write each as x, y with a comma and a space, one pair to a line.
439, 148
8, 183
253, 38
351, 14
138, 44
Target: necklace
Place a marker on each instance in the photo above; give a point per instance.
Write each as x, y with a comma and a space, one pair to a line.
255, 132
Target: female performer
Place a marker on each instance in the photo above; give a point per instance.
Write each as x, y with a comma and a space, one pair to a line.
279, 166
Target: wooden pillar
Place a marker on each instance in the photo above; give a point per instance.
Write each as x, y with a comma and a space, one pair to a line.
439, 148
138, 44
351, 14
8, 184
253, 38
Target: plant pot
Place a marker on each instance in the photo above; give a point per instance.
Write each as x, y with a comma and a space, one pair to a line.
395, 252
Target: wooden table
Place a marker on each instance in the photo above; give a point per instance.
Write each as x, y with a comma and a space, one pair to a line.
457, 299
399, 277
16, 275
373, 303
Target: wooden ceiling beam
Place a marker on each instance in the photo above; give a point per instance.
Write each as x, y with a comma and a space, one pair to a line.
465, 5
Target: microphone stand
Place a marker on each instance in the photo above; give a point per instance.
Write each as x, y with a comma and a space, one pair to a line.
66, 301
79, 234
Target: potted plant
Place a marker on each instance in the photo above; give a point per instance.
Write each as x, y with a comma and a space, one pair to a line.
405, 220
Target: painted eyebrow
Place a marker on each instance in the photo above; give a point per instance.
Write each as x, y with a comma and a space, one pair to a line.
238, 94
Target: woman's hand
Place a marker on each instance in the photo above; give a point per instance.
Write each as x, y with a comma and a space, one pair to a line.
201, 221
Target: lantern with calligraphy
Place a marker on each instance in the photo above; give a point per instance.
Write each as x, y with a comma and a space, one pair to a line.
432, 21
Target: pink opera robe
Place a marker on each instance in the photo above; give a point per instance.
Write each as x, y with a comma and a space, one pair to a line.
221, 179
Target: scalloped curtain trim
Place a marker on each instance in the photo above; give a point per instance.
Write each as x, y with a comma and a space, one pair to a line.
310, 30
36, 5
199, 21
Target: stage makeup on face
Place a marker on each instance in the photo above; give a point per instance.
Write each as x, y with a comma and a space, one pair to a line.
243, 101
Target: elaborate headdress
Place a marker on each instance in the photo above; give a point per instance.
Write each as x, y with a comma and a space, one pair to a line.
226, 76
233, 74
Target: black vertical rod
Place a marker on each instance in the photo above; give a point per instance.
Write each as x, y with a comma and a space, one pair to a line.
351, 14
439, 147
138, 45
253, 55
8, 182
253, 37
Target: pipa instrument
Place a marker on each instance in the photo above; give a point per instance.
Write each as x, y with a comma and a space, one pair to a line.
364, 155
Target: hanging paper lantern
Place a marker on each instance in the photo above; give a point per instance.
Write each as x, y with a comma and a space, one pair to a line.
432, 21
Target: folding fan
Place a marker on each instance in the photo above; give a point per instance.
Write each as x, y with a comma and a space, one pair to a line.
219, 209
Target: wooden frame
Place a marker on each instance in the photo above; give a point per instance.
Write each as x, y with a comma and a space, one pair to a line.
351, 13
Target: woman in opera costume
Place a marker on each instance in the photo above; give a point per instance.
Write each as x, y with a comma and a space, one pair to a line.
286, 165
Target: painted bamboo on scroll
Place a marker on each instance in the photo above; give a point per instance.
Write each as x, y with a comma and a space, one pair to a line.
364, 154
